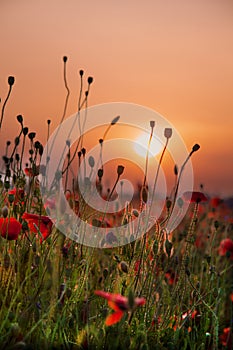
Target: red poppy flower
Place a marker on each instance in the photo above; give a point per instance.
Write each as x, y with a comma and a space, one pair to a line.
43, 223
194, 196
119, 304
226, 338
10, 228
226, 247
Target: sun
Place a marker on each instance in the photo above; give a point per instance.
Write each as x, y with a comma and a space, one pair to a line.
141, 145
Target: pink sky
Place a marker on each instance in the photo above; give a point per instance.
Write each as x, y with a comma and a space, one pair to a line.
175, 57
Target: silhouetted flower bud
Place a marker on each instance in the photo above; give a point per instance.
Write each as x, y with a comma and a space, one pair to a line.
37, 145
64, 59
81, 72
152, 124
123, 266
48, 121
115, 120
11, 80
168, 133
176, 170
32, 135
83, 150
120, 169
5, 211
195, 148
100, 173
25, 131
20, 118
90, 80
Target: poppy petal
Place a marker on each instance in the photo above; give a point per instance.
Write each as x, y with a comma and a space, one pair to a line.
114, 318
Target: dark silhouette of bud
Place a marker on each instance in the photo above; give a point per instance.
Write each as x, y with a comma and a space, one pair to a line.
8, 143
37, 145
123, 266
101, 141
115, 120
48, 121
83, 150
168, 133
90, 80
120, 169
11, 80
25, 131
32, 135
65, 59
81, 72
100, 173
176, 170
152, 124
5, 211
20, 118
195, 148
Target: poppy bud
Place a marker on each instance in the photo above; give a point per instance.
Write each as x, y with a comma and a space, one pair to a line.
195, 148
81, 72
115, 120
100, 173
168, 133
64, 59
120, 169
90, 80
123, 266
32, 135
5, 211
20, 118
152, 124
25, 131
11, 80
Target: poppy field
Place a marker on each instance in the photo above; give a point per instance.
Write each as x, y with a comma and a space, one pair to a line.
163, 290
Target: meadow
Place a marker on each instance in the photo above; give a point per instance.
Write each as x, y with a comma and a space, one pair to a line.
163, 290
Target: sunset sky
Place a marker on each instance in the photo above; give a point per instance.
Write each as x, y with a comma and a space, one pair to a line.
173, 56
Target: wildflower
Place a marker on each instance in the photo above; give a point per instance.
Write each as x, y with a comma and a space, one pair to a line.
43, 223
119, 304
10, 228
226, 248
194, 196
225, 338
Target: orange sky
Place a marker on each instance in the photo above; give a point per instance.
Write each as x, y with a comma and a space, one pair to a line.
175, 57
